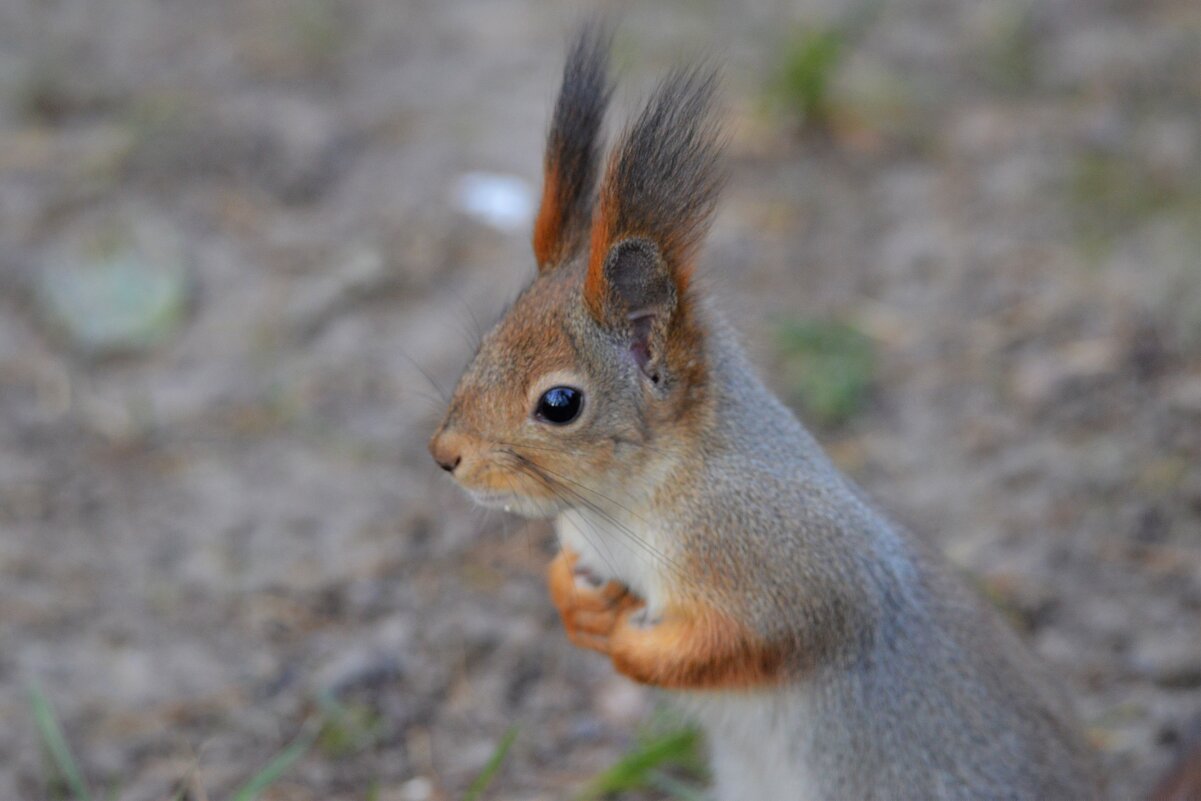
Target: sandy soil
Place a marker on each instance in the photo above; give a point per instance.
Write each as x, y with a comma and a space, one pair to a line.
200, 539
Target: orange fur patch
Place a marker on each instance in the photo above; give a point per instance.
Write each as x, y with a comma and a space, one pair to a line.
695, 647
598, 248
589, 614
548, 228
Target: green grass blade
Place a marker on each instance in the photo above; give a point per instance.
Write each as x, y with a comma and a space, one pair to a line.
494, 763
56, 743
277, 766
346, 729
674, 787
634, 770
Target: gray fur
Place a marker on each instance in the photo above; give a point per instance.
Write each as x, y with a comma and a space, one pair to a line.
906, 685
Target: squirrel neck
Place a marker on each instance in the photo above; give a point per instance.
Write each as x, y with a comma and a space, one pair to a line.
744, 439
737, 412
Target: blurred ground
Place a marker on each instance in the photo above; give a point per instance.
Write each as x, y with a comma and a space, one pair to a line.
202, 537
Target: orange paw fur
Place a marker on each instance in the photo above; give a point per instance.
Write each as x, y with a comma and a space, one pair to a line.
694, 646
590, 614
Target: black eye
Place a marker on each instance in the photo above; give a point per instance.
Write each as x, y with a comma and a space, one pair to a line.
560, 405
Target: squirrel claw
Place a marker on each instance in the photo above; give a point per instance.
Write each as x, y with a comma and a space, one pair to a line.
643, 619
586, 577
590, 609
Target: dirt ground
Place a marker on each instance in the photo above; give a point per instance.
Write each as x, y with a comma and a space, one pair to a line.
202, 537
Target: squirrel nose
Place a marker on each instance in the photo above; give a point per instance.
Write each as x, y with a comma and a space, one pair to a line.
446, 450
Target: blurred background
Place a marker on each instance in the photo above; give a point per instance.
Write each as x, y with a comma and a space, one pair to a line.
246, 245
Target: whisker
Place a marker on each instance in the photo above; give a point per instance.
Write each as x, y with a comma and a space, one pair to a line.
553, 449
599, 510
719, 598
479, 329
599, 543
436, 404
511, 448
596, 492
441, 392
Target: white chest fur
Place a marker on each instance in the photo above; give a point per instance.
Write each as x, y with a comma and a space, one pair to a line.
751, 734
756, 742
619, 546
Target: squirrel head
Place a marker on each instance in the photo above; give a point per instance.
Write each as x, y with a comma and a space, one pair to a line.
592, 379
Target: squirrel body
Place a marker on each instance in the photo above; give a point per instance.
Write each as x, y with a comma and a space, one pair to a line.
709, 546
898, 683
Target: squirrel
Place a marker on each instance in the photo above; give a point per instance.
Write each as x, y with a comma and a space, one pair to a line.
708, 545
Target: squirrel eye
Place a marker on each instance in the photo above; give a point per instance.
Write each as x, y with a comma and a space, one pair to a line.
560, 405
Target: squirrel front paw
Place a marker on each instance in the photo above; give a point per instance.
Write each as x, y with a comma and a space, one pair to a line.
591, 609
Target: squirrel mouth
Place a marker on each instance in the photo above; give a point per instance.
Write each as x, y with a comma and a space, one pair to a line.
514, 503
495, 500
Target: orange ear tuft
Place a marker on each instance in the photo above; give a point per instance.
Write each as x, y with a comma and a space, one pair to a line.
573, 151
548, 227
602, 239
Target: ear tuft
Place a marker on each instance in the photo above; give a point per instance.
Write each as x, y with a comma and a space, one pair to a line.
661, 184
573, 147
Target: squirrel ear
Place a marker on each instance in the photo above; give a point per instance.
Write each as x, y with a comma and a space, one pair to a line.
656, 200
640, 295
573, 150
